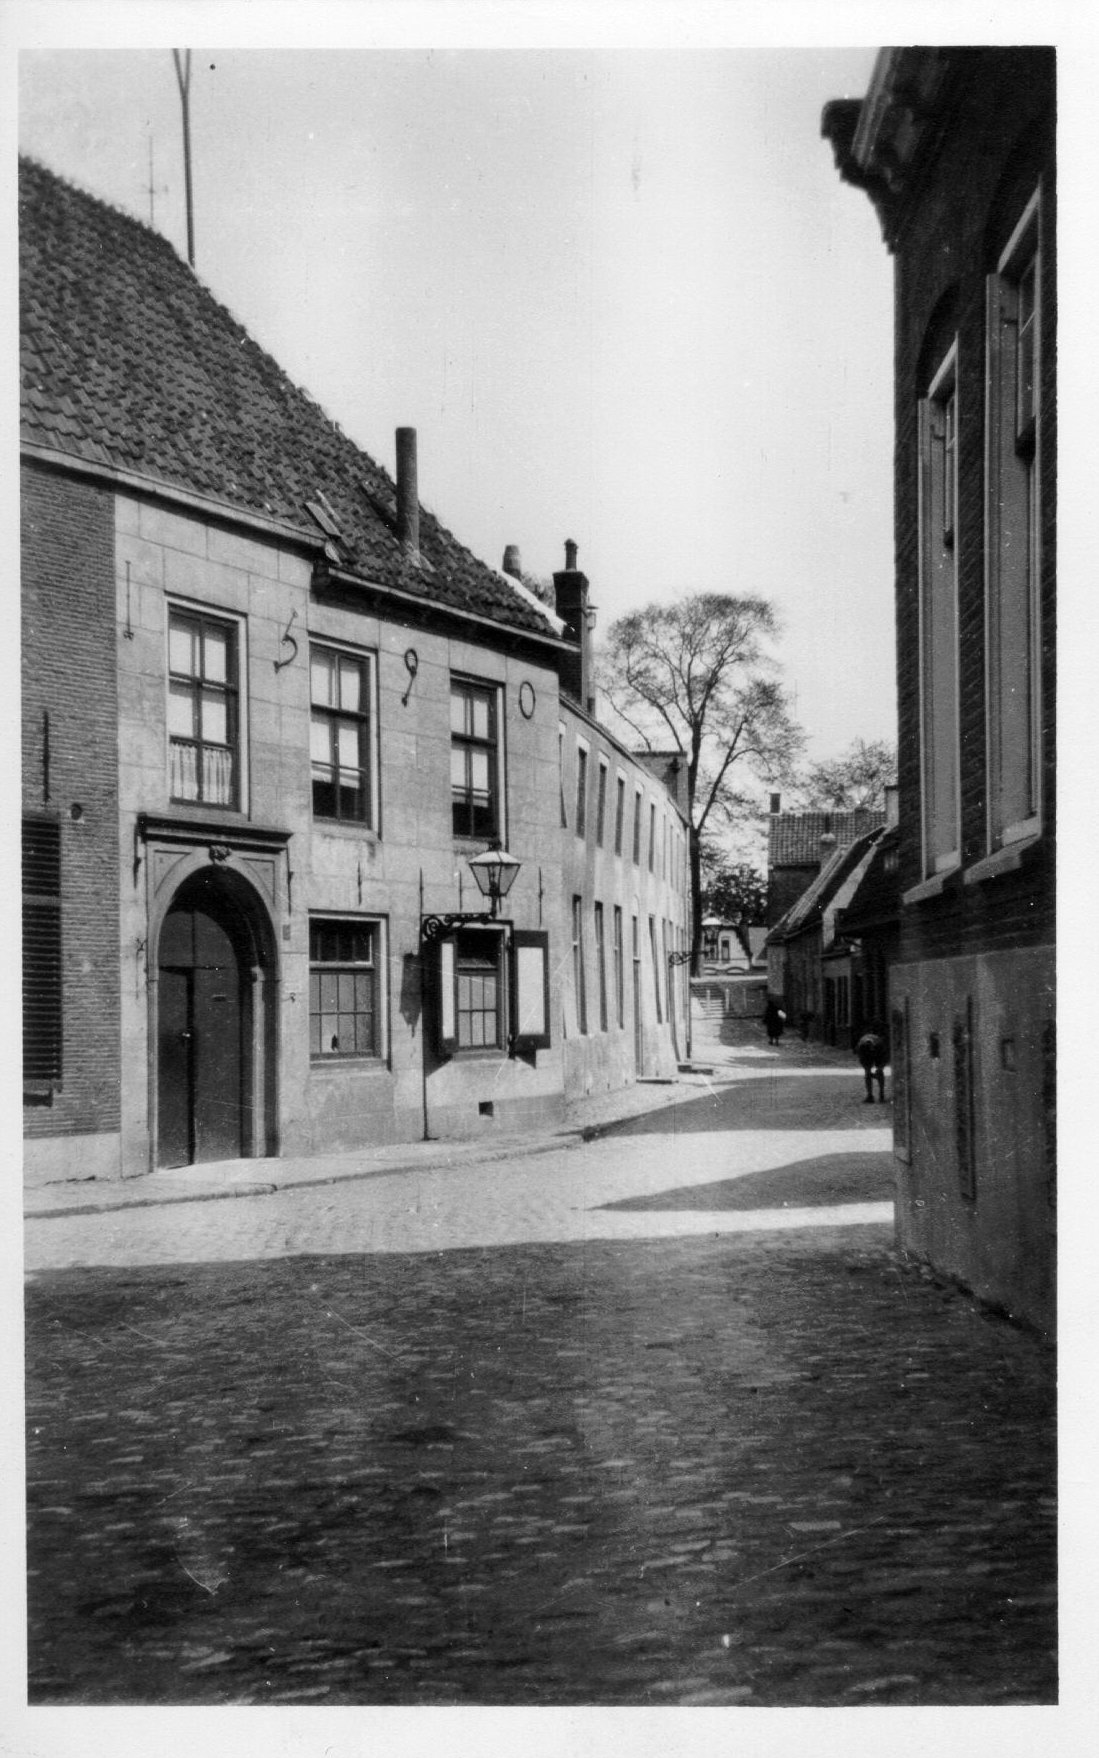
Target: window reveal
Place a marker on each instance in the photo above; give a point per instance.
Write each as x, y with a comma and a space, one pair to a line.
619, 974
202, 709
939, 622
601, 965
1013, 548
581, 791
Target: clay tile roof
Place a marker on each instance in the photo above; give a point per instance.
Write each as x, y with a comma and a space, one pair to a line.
129, 361
793, 838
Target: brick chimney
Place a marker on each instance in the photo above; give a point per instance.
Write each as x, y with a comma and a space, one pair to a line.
513, 562
827, 846
408, 497
570, 588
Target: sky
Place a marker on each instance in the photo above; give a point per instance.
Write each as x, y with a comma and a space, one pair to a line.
621, 293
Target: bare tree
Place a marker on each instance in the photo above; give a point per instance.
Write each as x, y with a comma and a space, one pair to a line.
696, 677
856, 779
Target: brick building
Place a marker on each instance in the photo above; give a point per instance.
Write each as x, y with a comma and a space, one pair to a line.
800, 843
955, 147
274, 717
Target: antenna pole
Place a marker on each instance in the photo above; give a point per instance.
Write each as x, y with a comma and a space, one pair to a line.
183, 79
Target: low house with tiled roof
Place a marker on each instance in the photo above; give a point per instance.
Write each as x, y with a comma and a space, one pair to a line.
272, 712
798, 844
812, 966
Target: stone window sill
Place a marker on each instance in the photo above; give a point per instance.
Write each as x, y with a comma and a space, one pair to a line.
1008, 859
933, 887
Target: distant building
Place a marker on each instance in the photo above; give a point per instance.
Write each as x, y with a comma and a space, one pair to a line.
956, 149
799, 844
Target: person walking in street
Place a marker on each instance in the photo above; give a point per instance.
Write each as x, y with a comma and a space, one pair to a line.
773, 1020
872, 1050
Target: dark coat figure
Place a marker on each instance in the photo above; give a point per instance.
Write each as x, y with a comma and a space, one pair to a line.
773, 1021
872, 1050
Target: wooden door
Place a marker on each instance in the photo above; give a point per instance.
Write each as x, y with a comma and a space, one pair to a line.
200, 1052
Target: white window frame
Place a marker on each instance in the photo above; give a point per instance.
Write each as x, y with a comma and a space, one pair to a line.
497, 689
1006, 476
939, 550
215, 613
369, 659
380, 926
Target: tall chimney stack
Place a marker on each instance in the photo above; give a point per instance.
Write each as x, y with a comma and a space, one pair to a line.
570, 589
408, 497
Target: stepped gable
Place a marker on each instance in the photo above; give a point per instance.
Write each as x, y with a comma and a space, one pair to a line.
129, 362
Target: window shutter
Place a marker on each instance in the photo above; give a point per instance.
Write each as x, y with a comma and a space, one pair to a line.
530, 990
446, 1017
42, 999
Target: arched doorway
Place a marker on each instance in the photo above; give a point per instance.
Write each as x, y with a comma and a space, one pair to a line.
214, 1063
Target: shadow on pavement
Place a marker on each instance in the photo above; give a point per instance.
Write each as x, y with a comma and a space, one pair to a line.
826, 1179
773, 1101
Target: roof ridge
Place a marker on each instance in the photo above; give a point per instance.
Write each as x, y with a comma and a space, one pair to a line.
131, 361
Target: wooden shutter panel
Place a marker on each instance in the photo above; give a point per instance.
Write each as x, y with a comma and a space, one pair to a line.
41, 950
445, 996
530, 990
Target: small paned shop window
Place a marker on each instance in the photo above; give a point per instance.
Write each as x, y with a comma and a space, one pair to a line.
203, 711
339, 735
343, 989
478, 991
492, 992
474, 759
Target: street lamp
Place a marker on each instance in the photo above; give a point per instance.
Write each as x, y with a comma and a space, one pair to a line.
495, 872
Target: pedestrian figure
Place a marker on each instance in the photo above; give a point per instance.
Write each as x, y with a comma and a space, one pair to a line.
872, 1050
773, 1020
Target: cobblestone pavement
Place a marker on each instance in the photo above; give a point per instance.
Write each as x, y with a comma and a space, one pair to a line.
657, 1420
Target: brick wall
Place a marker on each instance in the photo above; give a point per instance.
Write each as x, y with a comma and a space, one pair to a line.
68, 672
977, 188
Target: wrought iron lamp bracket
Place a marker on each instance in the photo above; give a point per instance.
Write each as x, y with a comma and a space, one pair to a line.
439, 927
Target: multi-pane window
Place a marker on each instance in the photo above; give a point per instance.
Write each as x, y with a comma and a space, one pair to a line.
581, 791
939, 621
479, 991
652, 835
579, 985
474, 758
619, 974
601, 966
203, 711
41, 949
601, 804
619, 814
1013, 541
339, 734
343, 988
637, 828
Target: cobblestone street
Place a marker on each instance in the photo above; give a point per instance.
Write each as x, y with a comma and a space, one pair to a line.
655, 1420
